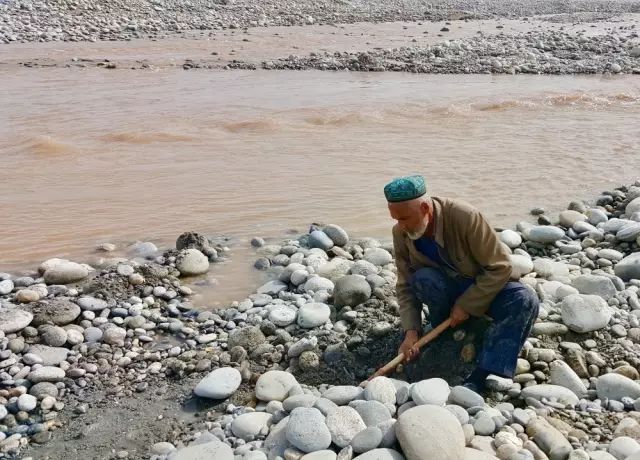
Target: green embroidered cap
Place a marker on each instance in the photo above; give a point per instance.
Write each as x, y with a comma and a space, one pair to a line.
405, 188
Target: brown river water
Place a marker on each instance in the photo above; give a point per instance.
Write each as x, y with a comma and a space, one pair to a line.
90, 156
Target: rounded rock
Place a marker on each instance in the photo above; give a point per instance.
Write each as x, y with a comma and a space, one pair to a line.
319, 239
430, 431
337, 234
219, 384
343, 424
14, 319
430, 392
313, 314
275, 385
351, 290
191, 262
307, 430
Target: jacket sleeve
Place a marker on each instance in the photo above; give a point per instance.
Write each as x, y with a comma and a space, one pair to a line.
409, 308
488, 252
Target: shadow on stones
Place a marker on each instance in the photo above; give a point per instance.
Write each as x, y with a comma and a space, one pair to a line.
441, 358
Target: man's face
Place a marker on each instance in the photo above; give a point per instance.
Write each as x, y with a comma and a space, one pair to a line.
412, 217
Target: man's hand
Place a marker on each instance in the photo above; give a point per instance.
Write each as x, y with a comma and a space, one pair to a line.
408, 347
458, 316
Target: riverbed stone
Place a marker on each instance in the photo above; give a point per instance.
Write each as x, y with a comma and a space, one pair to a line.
307, 430
623, 447
318, 283
561, 374
272, 288
191, 262
430, 431
372, 412
351, 290
205, 451
27, 402
249, 425
510, 238
89, 303
114, 336
49, 356
595, 285
616, 386
27, 295
585, 313
463, 396
59, 311
380, 454
282, 316
325, 454
629, 267
6, 286
219, 383
54, 336
546, 234
433, 391
367, 439
46, 374
551, 392
343, 424
93, 335
14, 319
65, 272
247, 337
313, 314
381, 389
337, 234
520, 265
549, 439
378, 256
629, 232
335, 269
275, 385
319, 239
343, 394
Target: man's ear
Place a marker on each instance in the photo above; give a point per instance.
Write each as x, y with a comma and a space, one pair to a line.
424, 206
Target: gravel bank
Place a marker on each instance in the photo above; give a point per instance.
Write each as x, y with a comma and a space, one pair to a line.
82, 20
275, 374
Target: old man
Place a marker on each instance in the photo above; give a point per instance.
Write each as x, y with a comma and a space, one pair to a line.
450, 259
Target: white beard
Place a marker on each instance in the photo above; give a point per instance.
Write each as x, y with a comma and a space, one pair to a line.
418, 233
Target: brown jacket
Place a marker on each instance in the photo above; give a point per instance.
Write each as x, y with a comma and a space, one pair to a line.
472, 247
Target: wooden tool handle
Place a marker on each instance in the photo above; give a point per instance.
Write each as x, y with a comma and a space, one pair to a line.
391, 365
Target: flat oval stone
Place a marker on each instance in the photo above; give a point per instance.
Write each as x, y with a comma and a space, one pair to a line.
91, 303
46, 374
14, 319
431, 391
219, 384
282, 316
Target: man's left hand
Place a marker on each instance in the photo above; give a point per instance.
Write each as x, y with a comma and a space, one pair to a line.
458, 316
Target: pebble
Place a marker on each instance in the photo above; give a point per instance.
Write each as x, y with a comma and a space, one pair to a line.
343, 424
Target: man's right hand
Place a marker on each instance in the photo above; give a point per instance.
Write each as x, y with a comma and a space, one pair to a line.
408, 347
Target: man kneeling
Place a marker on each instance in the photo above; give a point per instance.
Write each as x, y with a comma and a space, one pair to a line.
449, 258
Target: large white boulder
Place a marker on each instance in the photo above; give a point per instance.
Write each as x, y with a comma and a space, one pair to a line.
585, 313
430, 432
616, 386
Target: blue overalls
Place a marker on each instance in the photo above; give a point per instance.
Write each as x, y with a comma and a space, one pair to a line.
513, 311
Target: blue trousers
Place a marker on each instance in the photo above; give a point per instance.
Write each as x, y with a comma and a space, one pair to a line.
513, 312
